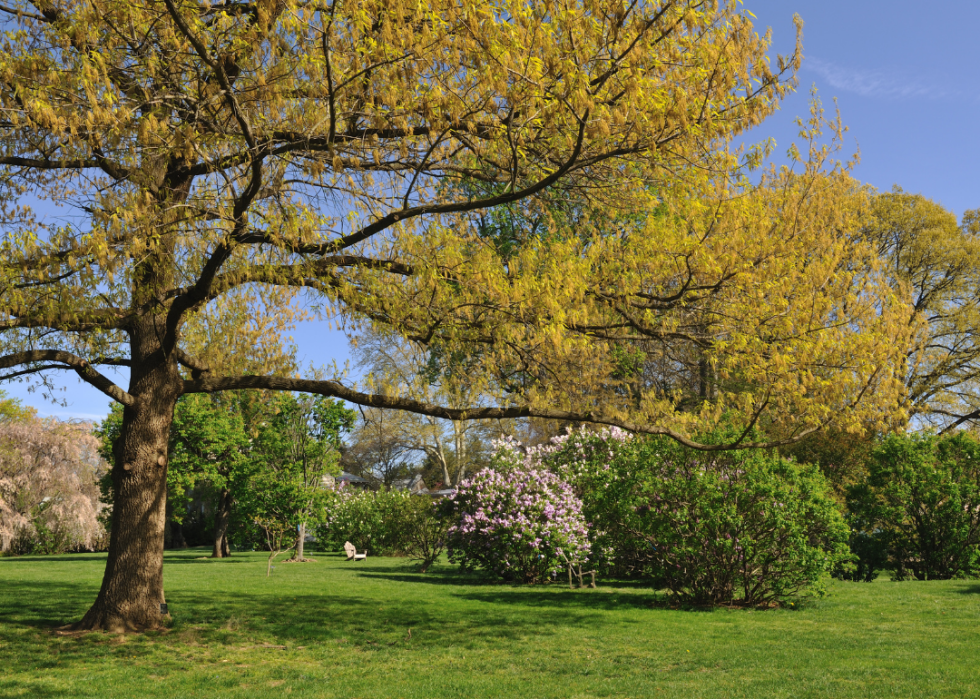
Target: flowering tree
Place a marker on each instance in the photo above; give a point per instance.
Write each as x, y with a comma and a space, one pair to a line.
49, 492
516, 523
585, 459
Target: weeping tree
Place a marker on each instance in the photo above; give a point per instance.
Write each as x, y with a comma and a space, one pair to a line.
175, 174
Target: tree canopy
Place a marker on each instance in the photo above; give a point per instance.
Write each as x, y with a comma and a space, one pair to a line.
223, 167
937, 260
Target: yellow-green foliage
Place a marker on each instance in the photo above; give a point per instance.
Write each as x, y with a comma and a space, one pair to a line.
218, 160
936, 261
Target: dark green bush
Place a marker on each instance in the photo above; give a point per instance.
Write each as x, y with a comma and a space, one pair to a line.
421, 530
734, 528
921, 501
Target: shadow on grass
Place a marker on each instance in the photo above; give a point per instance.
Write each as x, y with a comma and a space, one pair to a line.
202, 559
565, 599
432, 577
972, 589
465, 619
58, 558
449, 575
170, 556
44, 605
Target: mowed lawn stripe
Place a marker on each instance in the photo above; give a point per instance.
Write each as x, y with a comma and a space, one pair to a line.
378, 628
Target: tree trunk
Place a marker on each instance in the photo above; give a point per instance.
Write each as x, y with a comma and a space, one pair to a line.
443, 463
459, 437
173, 536
221, 517
300, 541
132, 586
177, 535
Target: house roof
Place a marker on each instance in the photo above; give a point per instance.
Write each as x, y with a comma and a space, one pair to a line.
351, 478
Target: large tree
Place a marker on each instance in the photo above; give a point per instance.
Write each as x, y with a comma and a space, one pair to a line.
211, 159
937, 260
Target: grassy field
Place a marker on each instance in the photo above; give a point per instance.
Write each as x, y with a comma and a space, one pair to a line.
379, 629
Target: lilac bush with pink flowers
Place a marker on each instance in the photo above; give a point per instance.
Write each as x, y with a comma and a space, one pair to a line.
590, 461
739, 527
516, 523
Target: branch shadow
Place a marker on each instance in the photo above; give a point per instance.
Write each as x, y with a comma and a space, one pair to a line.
54, 558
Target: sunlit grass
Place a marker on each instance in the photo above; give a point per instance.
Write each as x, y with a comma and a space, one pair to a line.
379, 629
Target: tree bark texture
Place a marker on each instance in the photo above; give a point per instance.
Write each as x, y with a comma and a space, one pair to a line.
221, 517
132, 587
300, 541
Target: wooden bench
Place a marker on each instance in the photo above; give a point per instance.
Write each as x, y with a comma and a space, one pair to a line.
352, 554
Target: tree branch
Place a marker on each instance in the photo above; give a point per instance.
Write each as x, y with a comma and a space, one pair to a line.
196, 366
461, 207
81, 367
335, 389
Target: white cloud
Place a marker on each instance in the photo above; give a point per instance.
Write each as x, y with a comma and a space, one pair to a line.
876, 83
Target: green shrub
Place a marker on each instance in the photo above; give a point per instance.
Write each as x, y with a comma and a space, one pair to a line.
385, 524
734, 528
868, 547
420, 530
355, 517
921, 499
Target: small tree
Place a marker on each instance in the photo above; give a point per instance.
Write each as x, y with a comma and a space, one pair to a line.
301, 445
279, 502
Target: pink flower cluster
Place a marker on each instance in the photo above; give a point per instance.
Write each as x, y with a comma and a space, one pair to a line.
517, 523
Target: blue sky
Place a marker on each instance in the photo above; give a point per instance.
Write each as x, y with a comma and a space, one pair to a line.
905, 76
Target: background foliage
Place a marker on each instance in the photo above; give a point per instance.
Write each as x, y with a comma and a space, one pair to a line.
921, 504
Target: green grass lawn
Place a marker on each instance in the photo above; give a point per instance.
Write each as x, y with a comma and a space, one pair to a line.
379, 629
